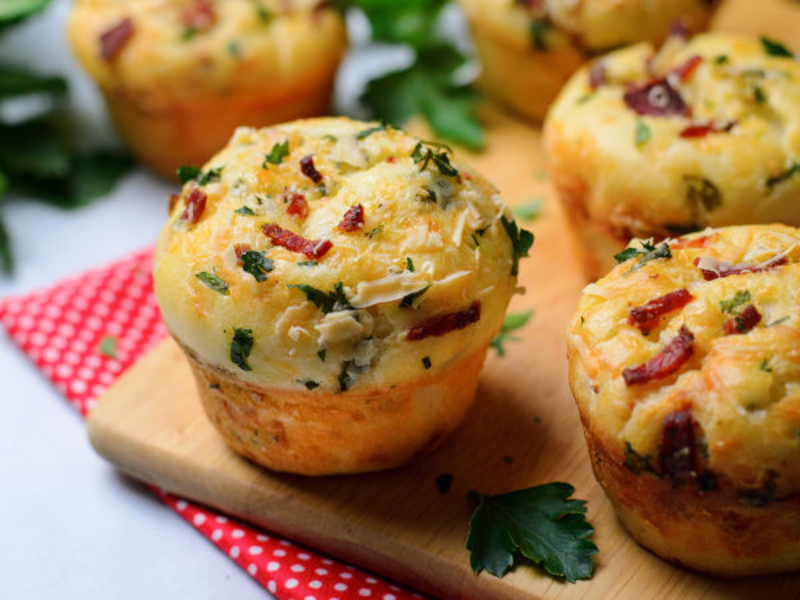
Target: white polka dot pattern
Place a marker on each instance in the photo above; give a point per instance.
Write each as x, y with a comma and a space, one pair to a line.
83, 333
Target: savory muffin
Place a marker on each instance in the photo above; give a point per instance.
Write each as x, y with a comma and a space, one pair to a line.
335, 285
529, 48
685, 365
646, 143
179, 76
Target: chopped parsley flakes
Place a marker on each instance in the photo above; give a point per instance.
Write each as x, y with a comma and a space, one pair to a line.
731, 304
775, 48
241, 346
642, 135
189, 173
258, 265
326, 302
521, 241
275, 157
425, 153
646, 253
212, 281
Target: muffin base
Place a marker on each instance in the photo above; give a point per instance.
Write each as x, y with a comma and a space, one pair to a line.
321, 433
523, 79
169, 136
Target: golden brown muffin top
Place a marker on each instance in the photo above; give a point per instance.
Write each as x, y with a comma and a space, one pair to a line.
705, 132
180, 49
595, 25
703, 329
344, 253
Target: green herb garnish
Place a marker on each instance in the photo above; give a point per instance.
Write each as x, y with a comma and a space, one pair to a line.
258, 265
642, 135
521, 241
426, 362
241, 345
212, 281
775, 48
244, 210
777, 321
310, 385
408, 300
788, 173
326, 302
646, 253
529, 211
759, 95
275, 157
427, 152
365, 133
108, 346
538, 30
512, 322
541, 523
636, 463
731, 304
765, 366
189, 173
307, 263
409, 264
700, 190
321, 354
721, 59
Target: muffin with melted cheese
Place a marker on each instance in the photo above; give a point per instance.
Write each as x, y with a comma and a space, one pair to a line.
685, 365
529, 48
335, 285
179, 76
646, 143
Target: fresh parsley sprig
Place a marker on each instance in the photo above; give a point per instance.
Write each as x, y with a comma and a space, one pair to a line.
428, 86
541, 523
647, 252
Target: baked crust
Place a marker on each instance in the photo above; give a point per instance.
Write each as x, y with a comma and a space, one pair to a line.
337, 265
624, 170
731, 506
323, 433
526, 72
176, 95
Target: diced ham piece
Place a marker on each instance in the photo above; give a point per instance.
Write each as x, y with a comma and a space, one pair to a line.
195, 206
353, 219
665, 363
309, 170
313, 249
713, 269
296, 204
743, 322
442, 324
647, 316
113, 40
677, 448
698, 130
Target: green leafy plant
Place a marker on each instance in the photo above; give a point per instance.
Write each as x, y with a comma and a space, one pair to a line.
540, 523
37, 157
428, 86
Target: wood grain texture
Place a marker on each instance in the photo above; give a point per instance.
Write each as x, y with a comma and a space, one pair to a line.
150, 424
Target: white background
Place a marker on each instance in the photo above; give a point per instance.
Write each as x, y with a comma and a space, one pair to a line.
71, 526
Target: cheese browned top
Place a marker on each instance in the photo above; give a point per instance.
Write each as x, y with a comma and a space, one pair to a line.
698, 339
347, 253
175, 50
594, 25
699, 133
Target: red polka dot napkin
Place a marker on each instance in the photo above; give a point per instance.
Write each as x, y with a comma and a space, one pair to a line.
83, 333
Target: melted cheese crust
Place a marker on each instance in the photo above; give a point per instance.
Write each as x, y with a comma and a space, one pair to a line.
594, 25
644, 189
250, 42
743, 390
460, 251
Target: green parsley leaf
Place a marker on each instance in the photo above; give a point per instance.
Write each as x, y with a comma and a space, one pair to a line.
731, 304
310, 385
321, 354
307, 263
721, 59
411, 22
408, 300
275, 157
700, 190
643, 134
244, 210
775, 48
108, 346
241, 346
187, 173
646, 253
210, 175
541, 523
258, 265
12, 11
262, 13
426, 362
512, 322
326, 302
365, 133
521, 241
787, 174
777, 321
759, 95
409, 264
538, 31
212, 281
15, 81
529, 211
426, 152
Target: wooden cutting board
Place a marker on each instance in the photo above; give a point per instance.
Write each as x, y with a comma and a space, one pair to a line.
523, 430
